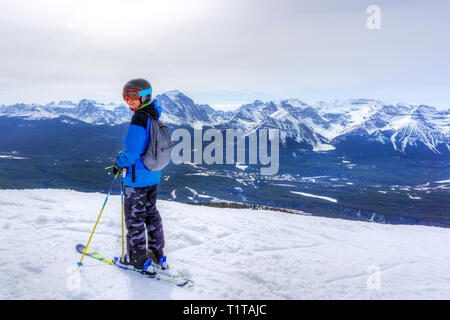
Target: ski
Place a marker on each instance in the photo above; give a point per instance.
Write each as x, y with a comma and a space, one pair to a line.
156, 273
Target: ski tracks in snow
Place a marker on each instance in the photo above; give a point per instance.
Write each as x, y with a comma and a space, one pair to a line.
229, 253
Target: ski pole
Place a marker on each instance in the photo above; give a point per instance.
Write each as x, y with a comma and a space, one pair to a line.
95, 226
121, 199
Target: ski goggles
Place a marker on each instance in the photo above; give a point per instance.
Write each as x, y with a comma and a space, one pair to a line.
134, 94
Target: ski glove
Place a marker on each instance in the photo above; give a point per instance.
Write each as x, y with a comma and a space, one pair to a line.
117, 169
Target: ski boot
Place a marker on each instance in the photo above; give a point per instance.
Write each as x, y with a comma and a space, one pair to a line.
139, 263
158, 258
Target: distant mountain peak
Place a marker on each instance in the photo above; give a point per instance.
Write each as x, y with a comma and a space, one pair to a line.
86, 101
295, 102
175, 94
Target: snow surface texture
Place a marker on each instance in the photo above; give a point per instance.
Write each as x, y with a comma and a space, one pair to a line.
229, 253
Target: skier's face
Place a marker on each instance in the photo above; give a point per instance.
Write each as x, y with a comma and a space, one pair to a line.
134, 104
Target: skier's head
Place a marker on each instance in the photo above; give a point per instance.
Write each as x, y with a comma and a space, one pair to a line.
137, 92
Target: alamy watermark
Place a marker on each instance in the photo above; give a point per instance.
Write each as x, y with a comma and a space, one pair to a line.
374, 19
73, 282
221, 150
374, 280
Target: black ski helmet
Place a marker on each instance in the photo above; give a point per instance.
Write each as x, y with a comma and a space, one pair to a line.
141, 85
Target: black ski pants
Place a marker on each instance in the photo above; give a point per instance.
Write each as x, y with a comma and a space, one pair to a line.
141, 218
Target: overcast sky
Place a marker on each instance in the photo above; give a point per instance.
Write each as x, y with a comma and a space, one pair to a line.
225, 52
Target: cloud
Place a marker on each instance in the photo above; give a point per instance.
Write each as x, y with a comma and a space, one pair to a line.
314, 51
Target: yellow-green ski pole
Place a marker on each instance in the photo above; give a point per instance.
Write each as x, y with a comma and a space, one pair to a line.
95, 226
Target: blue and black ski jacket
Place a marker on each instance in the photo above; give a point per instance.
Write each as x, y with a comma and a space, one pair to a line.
135, 144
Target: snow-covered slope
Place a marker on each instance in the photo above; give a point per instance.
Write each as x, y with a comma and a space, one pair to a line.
229, 253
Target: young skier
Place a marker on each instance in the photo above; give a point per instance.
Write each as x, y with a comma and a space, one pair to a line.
140, 190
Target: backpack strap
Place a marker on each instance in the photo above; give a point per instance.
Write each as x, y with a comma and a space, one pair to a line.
153, 114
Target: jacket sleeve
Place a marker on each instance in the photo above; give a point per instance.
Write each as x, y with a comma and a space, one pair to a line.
134, 141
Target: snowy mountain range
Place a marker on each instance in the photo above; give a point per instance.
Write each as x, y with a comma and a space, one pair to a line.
88, 111
320, 126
